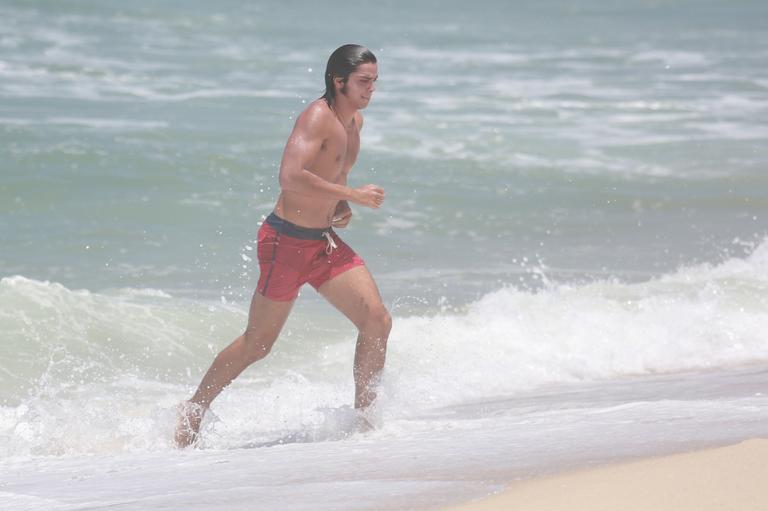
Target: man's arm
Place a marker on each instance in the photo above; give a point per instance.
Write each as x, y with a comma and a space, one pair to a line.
302, 149
342, 215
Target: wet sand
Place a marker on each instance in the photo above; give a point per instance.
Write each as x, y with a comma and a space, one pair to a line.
733, 478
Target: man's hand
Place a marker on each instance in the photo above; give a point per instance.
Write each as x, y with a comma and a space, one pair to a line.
342, 215
370, 196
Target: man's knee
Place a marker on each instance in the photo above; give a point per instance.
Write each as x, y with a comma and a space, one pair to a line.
258, 343
378, 318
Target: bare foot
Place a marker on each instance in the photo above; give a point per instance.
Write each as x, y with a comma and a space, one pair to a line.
190, 415
363, 423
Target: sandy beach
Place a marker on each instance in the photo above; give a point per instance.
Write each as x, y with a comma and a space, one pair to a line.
733, 478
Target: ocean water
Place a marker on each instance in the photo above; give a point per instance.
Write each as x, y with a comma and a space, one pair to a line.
574, 246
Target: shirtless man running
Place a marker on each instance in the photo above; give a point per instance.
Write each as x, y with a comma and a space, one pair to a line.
297, 244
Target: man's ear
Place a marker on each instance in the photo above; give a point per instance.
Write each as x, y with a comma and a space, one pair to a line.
338, 82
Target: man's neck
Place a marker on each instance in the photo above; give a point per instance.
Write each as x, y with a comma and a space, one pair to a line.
344, 111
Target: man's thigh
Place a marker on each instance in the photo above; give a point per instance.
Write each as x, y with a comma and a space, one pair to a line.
268, 315
354, 293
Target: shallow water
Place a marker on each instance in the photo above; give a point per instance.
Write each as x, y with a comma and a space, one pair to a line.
439, 456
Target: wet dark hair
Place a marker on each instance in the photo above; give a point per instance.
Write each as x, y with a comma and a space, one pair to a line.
342, 62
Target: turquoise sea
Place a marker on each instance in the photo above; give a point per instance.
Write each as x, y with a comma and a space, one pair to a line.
574, 245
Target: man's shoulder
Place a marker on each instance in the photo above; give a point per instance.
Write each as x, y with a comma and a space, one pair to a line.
317, 112
315, 121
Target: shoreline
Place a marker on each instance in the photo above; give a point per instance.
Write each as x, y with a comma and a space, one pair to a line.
733, 477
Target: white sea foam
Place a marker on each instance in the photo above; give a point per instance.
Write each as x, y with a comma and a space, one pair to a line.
536, 87
102, 347
456, 56
101, 124
673, 58
131, 292
156, 95
393, 223
696, 318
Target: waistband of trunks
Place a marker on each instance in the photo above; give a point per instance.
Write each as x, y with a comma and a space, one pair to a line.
287, 228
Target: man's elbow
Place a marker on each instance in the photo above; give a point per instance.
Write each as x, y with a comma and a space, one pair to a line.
288, 180
283, 180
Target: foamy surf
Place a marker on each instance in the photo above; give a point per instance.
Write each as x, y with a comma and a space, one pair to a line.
439, 456
86, 372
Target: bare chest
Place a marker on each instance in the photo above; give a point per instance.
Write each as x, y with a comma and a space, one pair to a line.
339, 151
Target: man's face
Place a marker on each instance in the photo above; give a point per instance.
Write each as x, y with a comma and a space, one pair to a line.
361, 84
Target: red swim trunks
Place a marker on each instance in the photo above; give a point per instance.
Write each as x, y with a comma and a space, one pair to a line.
291, 255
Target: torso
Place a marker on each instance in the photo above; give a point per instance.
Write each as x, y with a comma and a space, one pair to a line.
333, 163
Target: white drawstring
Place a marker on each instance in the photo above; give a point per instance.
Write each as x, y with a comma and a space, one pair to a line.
331, 244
